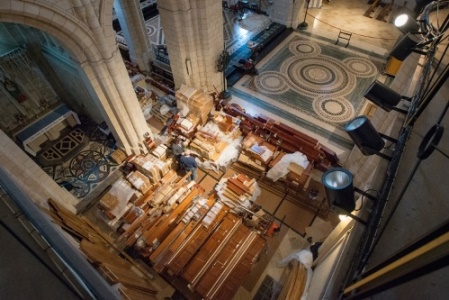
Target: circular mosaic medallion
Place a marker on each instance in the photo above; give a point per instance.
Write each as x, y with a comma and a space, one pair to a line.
150, 29
303, 47
314, 76
271, 82
89, 166
336, 110
360, 66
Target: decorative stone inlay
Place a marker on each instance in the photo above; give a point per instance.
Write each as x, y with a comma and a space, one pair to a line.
51, 155
90, 166
333, 109
314, 76
65, 145
360, 66
271, 82
150, 29
303, 47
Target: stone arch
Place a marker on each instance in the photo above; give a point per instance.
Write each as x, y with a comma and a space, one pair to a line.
70, 30
76, 36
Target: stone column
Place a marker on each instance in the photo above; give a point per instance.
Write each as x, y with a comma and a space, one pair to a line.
111, 81
194, 36
31, 178
288, 12
132, 23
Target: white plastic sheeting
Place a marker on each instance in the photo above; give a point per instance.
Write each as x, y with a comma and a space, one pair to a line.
280, 169
229, 154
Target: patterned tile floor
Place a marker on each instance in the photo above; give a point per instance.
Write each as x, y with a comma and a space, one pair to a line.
312, 82
305, 84
82, 172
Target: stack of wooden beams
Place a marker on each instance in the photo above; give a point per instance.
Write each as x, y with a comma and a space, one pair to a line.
160, 152
207, 147
139, 181
112, 263
183, 228
239, 188
151, 166
163, 209
131, 283
184, 245
79, 227
156, 112
152, 210
217, 271
224, 121
199, 103
186, 126
214, 235
153, 235
295, 283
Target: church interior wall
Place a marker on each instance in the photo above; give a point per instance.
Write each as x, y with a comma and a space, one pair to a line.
79, 95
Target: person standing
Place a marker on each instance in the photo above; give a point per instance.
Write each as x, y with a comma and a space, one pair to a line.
177, 148
188, 163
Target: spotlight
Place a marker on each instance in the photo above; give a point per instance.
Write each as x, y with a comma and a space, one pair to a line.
406, 24
384, 97
364, 135
340, 191
405, 47
339, 188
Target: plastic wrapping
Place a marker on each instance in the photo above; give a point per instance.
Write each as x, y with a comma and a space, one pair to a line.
230, 153
121, 190
280, 169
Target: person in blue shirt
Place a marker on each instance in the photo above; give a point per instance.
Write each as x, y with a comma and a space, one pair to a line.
188, 163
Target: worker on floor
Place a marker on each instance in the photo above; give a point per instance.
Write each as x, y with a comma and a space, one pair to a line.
177, 148
188, 163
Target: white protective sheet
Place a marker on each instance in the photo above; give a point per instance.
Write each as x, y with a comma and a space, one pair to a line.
230, 153
280, 169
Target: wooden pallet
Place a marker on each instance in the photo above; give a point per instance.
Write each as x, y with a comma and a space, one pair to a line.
156, 112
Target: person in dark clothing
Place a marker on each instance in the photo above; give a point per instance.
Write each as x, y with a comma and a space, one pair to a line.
188, 163
177, 148
314, 249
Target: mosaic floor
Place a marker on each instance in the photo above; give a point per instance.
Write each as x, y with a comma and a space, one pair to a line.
70, 143
314, 83
89, 166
